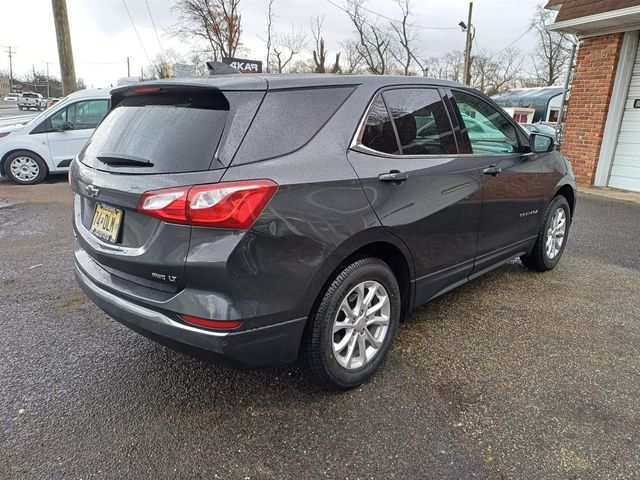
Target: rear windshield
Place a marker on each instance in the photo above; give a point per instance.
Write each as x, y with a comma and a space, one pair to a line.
30, 95
162, 133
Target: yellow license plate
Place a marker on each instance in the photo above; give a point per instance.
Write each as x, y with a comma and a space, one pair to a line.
106, 223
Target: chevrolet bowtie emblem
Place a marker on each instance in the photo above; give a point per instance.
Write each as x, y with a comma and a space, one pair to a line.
92, 191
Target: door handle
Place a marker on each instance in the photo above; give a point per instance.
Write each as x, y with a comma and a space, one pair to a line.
492, 170
393, 176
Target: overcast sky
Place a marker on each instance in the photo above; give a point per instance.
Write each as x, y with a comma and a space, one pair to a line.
103, 37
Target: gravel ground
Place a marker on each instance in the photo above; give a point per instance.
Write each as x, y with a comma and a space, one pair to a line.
516, 375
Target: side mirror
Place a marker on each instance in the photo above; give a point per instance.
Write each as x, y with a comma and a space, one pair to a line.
65, 126
541, 143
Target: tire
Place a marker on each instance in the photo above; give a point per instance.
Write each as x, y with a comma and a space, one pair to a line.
331, 365
25, 168
19, 107
546, 253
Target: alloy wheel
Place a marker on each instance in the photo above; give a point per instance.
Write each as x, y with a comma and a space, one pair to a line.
555, 233
361, 325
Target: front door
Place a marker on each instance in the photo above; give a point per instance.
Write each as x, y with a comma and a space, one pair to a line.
421, 189
81, 119
513, 191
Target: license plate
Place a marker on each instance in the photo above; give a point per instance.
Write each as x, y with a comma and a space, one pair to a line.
106, 223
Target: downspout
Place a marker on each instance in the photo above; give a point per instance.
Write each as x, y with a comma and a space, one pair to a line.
565, 92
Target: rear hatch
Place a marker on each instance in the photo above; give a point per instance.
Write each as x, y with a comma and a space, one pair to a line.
154, 137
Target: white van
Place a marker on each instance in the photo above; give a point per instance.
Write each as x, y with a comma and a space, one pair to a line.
48, 143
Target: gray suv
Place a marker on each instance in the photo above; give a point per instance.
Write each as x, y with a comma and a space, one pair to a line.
255, 220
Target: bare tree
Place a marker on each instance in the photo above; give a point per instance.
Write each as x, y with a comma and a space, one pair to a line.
403, 50
493, 74
302, 66
449, 66
490, 73
320, 51
372, 41
287, 46
552, 51
217, 22
160, 66
270, 15
352, 58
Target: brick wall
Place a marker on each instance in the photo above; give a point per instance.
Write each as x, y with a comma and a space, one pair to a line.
589, 104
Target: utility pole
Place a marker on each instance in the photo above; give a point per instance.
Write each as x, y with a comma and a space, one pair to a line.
128, 68
48, 91
467, 51
11, 52
67, 68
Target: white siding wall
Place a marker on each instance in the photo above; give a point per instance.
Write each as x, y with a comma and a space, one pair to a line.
625, 172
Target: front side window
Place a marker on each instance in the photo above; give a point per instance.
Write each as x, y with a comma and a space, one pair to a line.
490, 133
421, 121
81, 115
58, 119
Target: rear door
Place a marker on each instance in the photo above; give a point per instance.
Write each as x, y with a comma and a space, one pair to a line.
421, 189
513, 189
154, 139
82, 118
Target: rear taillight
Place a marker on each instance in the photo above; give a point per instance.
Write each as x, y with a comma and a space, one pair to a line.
218, 324
222, 205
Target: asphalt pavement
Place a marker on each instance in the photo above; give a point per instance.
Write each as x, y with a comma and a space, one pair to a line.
10, 114
516, 375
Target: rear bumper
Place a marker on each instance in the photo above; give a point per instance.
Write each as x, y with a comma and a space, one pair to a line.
270, 345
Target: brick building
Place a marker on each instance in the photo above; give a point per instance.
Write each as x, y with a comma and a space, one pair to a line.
4, 86
602, 133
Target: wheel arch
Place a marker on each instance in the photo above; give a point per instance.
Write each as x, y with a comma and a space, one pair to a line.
569, 193
25, 149
377, 243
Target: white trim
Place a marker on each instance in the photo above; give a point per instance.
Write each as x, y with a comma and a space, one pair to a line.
588, 26
598, 17
609, 31
617, 105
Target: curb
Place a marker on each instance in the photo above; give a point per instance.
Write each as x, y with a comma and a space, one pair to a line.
610, 193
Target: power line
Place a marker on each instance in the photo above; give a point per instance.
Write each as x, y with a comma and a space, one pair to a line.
395, 20
370, 25
515, 41
154, 26
136, 30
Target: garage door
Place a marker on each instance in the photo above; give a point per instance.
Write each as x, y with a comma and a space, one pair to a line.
625, 172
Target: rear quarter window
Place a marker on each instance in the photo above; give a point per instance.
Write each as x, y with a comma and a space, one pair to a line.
287, 120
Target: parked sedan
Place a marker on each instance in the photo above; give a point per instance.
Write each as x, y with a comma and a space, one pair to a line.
52, 101
255, 220
48, 143
11, 97
544, 129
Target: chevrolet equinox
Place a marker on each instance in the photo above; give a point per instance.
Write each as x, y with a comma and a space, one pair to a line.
254, 220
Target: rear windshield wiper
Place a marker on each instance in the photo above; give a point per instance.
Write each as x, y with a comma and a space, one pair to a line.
116, 159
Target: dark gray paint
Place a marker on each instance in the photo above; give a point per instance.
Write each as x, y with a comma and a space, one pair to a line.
448, 221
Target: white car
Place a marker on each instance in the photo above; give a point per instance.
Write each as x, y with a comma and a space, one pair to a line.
49, 142
12, 97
